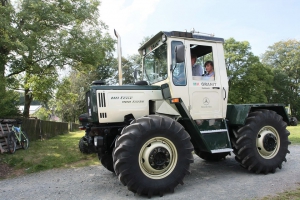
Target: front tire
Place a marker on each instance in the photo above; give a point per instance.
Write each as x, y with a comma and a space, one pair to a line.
84, 147
106, 160
152, 155
262, 144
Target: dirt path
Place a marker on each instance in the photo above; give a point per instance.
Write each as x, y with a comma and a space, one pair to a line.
221, 180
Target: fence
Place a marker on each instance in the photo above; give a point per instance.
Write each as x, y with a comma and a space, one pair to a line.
38, 129
74, 127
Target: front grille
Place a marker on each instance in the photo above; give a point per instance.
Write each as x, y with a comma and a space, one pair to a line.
101, 97
102, 115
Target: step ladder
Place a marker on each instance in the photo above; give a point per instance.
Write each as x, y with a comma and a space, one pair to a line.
217, 140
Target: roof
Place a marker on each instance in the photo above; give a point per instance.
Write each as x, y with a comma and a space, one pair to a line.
32, 109
191, 35
179, 34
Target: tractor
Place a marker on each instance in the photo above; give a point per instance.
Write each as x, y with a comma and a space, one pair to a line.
148, 132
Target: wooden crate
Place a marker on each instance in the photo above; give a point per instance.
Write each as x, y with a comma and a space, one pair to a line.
5, 129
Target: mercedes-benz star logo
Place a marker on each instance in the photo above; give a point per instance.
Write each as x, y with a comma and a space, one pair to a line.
206, 101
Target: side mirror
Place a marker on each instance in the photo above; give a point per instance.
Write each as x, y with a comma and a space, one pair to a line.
165, 90
179, 53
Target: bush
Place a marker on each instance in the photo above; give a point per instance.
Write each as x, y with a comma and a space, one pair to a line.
9, 104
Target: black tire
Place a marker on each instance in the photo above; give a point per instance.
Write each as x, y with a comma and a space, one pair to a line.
107, 161
262, 143
234, 146
152, 155
212, 157
84, 146
11, 143
24, 140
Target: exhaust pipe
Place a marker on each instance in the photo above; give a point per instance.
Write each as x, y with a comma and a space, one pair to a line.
119, 56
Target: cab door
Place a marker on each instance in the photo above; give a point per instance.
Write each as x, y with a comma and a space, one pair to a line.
207, 94
179, 73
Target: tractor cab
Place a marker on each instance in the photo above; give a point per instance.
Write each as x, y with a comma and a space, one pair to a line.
167, 63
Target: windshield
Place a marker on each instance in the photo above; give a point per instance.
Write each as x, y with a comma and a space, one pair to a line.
155, 64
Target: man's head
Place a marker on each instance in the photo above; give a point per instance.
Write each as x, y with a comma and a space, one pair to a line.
193, 58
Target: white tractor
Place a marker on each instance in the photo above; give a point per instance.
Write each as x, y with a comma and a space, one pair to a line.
147, 132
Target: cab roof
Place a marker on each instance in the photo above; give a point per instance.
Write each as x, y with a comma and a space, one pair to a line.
178, 34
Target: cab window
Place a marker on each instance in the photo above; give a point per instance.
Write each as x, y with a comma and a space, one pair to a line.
155, 64
178, 69
203, 66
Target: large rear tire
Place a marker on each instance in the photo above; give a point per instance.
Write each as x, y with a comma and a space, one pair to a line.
262, 143
152, 155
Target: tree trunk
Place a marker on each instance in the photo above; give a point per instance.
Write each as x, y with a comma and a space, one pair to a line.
28, 100
2, 78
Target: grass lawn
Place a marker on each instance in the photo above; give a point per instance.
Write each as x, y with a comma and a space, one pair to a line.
295, 134
293, 195
58, 152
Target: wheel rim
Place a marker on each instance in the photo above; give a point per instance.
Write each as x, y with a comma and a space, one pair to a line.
158, 157
268, 142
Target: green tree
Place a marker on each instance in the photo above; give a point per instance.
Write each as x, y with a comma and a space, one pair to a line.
54, 34
106, 71
249, 80
9, 99
70, 96
284, 58
43, 114
70, 99
8, 104
6, 38
129, 66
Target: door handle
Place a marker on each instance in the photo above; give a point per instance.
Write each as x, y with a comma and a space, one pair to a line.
225, 93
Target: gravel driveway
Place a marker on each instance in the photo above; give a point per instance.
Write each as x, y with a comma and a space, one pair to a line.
219, 180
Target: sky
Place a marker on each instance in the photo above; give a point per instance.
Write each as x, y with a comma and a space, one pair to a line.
260, 22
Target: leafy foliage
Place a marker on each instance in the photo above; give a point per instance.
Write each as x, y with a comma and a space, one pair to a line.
284, 59
129, 65
70, 96
8, 104
51, 35
43, 114
249, 79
